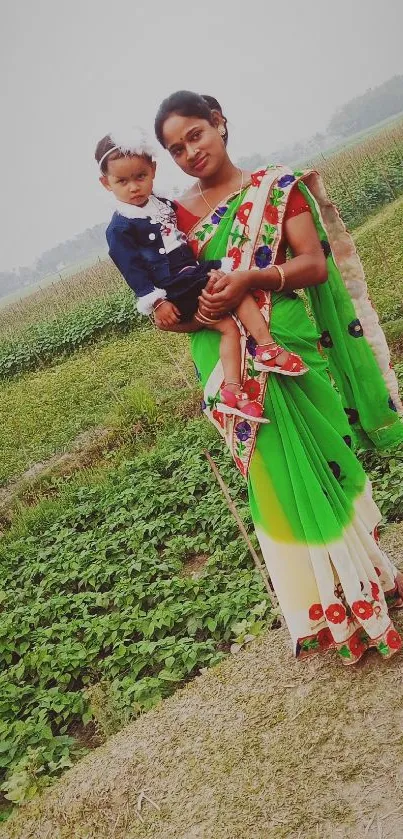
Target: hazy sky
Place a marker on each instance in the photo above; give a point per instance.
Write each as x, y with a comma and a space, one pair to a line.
70, 69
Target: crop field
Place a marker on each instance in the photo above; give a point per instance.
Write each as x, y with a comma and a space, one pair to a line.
122, 581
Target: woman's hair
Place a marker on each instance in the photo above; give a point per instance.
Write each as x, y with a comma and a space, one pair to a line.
187, 104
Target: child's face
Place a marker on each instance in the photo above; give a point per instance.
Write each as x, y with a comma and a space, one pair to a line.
130, 179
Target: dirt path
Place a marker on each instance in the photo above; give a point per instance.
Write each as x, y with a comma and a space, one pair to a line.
261, 747
86, 447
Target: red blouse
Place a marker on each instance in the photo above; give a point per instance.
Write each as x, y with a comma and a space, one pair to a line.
296, 205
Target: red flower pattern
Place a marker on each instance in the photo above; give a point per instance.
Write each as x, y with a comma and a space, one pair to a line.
375, 591
251, 388
260, 297
362, 609
325, 638
256, 177
315, 612
377, 571
393, 640
335, 613
376, 534
240, 465
236, 255
219, 417
356, 645
271, 214
244, 212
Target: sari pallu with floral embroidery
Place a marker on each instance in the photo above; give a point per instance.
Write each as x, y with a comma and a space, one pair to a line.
310, 499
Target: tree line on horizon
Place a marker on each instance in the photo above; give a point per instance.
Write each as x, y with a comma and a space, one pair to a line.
359, 114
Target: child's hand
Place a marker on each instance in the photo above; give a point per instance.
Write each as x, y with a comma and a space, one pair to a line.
166, 315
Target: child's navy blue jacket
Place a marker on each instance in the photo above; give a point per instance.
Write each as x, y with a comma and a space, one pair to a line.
137, 249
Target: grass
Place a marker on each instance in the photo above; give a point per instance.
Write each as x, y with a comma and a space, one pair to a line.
42, 412
364, 178
260, 746
379, 243
202, 768
361, 179
58, 298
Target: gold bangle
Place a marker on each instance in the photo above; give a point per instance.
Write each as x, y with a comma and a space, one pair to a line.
282, 277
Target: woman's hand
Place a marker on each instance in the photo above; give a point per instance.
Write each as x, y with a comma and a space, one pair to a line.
227, 293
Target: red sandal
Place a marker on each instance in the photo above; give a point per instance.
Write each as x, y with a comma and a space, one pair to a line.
265, 361
252, 410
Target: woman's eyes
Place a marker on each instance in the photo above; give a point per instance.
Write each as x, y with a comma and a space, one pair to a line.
195, 137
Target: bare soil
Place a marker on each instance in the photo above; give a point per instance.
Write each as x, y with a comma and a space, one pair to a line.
260, 747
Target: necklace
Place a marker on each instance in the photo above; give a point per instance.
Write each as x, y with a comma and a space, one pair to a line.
204, 197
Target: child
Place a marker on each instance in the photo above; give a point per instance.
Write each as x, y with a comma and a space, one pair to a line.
158, 264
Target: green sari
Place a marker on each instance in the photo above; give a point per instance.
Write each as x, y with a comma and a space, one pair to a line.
310, 499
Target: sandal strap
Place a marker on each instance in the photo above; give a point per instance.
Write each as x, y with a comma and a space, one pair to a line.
267, 354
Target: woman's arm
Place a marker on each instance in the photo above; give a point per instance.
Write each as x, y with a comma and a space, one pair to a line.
306, 268
181, 327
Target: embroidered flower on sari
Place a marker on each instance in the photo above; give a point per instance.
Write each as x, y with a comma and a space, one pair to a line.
315, 612
325, 638
393, 640
244, 212
362, 609
260, 297
348, 441
286, 180
218, 214
326, 247
271, 214
356, 644
263, 256
219, 417
236, 255
335, 613
391, 404
251, 388
352, 415
243, 431
251, 345
326, 340
256, 177
355, 329
335, 469
240, 465
375, 591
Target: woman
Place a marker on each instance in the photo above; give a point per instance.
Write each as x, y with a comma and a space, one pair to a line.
310, 499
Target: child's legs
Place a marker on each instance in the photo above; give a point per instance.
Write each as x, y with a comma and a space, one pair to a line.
250, 315
230, 348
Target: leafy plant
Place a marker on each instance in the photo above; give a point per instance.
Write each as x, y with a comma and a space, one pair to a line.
100, 617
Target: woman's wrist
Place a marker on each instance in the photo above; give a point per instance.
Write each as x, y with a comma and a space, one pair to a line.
272, 279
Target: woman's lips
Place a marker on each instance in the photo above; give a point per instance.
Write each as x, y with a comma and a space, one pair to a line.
200, 164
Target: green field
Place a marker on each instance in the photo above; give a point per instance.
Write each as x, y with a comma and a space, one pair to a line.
122, 581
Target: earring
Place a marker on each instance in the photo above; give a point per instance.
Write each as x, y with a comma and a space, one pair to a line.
221, 130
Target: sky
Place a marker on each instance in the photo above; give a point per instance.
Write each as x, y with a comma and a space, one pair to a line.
72, 69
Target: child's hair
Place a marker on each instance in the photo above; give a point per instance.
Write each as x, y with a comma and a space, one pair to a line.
187, 104
113, 147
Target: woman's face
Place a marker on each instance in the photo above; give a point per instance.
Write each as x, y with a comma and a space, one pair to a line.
194, 144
